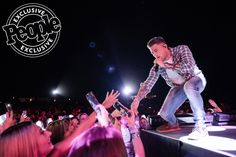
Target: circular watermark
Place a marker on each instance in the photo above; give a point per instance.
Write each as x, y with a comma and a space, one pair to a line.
32, 30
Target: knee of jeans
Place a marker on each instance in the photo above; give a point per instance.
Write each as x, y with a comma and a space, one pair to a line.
190, 87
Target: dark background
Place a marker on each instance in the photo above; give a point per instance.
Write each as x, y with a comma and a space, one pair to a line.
96, 35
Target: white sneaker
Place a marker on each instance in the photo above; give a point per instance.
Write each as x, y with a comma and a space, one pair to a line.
198, 133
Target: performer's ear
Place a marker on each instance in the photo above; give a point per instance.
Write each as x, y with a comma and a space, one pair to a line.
164, 45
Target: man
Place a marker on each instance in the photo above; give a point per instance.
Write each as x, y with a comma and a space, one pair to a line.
178, 68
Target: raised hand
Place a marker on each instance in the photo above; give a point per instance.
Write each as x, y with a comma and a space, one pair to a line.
111, 98
159, 61
9, 120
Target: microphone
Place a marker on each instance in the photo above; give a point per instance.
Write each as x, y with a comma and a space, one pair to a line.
151, 96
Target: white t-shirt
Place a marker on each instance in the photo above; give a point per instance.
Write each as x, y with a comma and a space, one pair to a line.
176, 78
173, 75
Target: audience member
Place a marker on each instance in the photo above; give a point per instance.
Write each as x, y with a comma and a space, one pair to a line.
60, 129
144, 124
106, 140
25, 139
82, 117
29, 140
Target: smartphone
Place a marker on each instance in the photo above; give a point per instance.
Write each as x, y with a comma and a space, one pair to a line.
120, 107
2, 118
92, 100
9, 108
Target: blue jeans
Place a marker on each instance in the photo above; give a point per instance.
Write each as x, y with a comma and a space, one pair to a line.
190, 90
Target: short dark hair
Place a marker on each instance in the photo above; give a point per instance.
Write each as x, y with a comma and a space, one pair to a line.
156, 40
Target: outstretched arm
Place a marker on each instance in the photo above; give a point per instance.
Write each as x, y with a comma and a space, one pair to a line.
214, 104
134, 128
62, 148
145, 87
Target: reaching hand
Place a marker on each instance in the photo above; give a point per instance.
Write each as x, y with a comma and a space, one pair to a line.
133, 122
214, 104
111, 98
130, 119
23, 118
9, 120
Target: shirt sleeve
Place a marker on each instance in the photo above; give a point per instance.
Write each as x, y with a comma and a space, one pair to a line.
187, 62
148, 84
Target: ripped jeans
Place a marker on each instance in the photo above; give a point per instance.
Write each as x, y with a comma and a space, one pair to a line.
177, 95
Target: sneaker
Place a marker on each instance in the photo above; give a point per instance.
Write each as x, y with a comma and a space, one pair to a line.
168, 128
198, 133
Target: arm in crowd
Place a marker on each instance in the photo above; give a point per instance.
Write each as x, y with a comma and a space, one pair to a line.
133, 125
8, 122
62, 148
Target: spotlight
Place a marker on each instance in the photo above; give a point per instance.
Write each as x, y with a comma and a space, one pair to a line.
127, 90
55, 92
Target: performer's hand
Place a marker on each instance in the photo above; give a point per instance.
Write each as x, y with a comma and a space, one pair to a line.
159, 61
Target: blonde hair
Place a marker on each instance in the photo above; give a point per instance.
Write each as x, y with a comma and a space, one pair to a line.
19, 140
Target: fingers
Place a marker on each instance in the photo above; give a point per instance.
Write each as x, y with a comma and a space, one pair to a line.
9, 115
112, 93
107, 94
111, 98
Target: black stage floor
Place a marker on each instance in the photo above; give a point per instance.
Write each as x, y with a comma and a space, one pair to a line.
220, 143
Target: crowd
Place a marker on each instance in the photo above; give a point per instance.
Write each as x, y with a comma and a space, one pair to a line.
46, 133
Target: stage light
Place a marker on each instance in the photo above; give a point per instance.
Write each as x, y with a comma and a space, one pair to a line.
55, 91
59, 90
110, 69
92, 44
127, 90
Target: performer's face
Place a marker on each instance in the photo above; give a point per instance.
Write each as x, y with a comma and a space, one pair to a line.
159, 51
